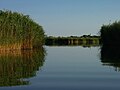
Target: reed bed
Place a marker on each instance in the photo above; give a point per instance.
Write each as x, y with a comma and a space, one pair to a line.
19, 31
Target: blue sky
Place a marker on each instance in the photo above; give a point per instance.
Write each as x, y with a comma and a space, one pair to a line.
67, 17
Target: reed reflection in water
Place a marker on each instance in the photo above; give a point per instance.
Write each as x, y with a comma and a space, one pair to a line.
19, 65
110, 56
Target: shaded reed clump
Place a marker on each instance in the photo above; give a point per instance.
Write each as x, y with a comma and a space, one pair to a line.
110, 34
18, 31
110, 48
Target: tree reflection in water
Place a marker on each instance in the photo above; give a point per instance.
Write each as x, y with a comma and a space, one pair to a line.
18, 65
110, 55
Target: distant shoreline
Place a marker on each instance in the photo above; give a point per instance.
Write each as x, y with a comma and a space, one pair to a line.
85, 40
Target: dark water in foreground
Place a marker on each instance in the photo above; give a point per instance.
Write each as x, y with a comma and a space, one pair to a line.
63, 68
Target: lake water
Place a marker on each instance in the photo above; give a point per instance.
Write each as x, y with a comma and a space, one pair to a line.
62, 68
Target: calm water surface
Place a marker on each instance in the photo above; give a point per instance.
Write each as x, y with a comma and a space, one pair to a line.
67, 68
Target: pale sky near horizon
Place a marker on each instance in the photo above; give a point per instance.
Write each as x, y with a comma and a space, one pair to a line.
67, 17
